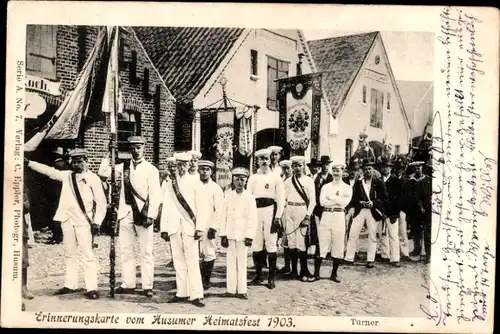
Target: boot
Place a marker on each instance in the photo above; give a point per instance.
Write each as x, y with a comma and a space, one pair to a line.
335, 268
271, 257
317, 267
209, 266
304, 270
24, 282
257, 261
286, 269
294, 257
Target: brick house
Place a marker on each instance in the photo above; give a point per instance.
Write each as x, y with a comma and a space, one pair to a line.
54, 58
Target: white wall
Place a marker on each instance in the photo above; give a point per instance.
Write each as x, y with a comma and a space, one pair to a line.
240, 85
355, 115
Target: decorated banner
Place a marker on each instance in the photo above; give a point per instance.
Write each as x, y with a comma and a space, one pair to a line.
300, 108
299, 115
224, 148
244, 116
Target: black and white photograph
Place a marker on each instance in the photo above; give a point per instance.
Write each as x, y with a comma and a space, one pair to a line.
246, 171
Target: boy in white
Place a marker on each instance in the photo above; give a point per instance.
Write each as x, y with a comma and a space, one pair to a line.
137, 211
334, 198
239, 220
301, 200
81, 212
212, 199
183, 225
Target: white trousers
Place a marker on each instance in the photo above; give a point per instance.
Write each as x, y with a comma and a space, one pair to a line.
263, 234
236, 273
78, 242
331, 234
294, 216
208, 247
390, 241
128, 233
365, 215
403, 235
187, 267
382, 241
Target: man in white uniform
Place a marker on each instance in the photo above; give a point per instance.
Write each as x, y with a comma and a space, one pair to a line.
139, 201
286, 172
268, 189
81, 210
275, 158
211, 210
301, 199
334, 198
184, 226
238, 223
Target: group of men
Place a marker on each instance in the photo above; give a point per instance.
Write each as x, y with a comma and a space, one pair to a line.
279, 205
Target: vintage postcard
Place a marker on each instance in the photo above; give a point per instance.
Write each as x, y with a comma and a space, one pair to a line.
264, 167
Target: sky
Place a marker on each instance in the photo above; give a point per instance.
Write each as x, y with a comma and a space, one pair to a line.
411, 54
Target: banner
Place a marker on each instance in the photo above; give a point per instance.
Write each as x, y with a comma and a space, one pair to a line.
244, 115
299, 116
224, 151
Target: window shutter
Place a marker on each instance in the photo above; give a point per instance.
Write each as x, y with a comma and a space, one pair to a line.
254, 62
41, 50
145, 83
373, 107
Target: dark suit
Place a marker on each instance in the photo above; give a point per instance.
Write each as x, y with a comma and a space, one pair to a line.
378, 196
319, 182
421, 214
390, 239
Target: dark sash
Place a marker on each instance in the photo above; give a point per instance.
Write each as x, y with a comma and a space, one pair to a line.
80, 200
182, 201
300, 189
130, 192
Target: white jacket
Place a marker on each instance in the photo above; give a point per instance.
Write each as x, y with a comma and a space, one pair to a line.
239, 216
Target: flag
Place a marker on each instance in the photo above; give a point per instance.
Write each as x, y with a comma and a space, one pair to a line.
112, 99
66, 121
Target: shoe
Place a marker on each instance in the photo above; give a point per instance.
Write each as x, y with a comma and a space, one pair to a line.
284, 271
229, 295
348, 263
121, 290
406, 259
304, 278
256, 281
395, 264
176, 299
242, 296
148, 293
271, 285
207, 286
27, 293
385, 260
313, 278
414, 253
370, 265
92, 294
335, 279
65, 291
198, 302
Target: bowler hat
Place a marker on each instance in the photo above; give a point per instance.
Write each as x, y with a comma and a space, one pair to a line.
314, 162
325, 159
353, 165
368, 162
387, 162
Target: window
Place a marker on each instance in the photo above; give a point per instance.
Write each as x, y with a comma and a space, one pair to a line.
388, 100
254, 70
129, 124
364, 94
348, 150
41, 50
397, 149
376, 109
276, 69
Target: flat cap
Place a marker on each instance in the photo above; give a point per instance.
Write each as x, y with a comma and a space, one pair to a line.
240, 171
171, 160
275, 149
182, 157
207, 163
284, 163
298, 159
195, 154
78, 152
136, 140
263, 153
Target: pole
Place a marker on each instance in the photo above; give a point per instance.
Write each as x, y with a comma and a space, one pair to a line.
114, 204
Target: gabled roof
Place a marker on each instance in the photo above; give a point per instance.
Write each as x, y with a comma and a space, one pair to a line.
341, 59
186, 57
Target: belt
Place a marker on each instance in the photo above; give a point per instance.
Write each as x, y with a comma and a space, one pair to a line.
263, 202
333, 210
296, 204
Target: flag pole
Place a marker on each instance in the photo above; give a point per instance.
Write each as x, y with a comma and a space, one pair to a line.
114, 186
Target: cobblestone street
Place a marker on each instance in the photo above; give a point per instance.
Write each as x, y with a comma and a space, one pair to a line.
382, 291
